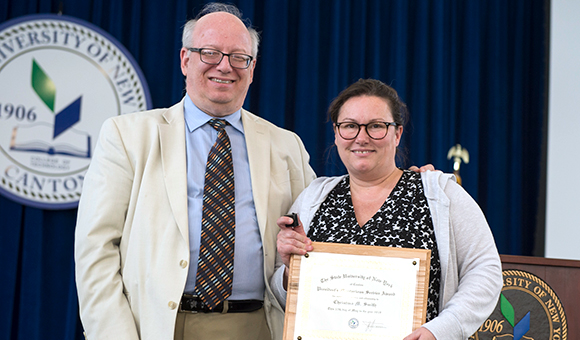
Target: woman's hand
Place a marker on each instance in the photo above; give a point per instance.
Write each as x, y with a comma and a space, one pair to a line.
421, 333
291, 241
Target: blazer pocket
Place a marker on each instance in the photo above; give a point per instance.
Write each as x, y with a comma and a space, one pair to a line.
287, 176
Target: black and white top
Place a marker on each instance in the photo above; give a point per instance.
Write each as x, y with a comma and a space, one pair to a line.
403, 221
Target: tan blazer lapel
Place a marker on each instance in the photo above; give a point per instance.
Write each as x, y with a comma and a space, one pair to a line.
173, 160
258, 144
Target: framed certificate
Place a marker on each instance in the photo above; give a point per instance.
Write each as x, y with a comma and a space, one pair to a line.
342, 291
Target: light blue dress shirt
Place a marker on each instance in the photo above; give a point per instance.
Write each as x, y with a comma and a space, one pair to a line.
248, 260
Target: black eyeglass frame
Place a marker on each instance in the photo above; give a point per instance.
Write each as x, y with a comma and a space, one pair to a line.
366, 129
200, 50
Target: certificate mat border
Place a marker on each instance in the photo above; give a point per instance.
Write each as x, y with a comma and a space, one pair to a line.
422, 287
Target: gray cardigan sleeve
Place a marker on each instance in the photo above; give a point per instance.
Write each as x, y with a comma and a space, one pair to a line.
471, 268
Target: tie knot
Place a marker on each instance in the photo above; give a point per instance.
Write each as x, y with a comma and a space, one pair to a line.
218, 124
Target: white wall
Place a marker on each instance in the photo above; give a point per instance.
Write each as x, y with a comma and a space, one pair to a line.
563, 182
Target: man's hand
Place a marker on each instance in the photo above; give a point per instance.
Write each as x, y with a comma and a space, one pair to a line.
423, 168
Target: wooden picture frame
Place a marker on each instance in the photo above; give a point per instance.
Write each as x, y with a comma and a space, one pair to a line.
363, 253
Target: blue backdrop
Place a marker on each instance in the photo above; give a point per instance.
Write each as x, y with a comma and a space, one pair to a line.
472, 72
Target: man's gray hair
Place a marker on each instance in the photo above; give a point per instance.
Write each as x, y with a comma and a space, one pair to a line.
212, 7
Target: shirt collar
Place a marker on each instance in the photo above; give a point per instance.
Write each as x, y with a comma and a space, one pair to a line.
194, 117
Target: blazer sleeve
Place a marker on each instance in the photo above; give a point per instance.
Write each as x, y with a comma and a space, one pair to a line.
104, 308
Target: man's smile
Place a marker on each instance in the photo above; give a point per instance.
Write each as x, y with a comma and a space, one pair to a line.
221, 81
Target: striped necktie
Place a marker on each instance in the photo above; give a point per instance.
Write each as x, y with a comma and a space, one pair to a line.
216, 254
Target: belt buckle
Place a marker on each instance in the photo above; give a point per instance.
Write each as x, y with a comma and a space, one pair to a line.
195, 304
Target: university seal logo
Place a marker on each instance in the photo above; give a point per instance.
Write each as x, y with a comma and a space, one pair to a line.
528, 309
60, 78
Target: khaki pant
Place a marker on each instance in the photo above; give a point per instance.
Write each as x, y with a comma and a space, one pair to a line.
220, 326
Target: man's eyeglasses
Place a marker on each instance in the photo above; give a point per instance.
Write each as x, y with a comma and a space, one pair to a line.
214, 57
375, 130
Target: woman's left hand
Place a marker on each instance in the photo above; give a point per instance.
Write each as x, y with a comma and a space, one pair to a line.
421, 333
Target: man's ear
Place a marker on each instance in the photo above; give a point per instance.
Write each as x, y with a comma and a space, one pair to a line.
184, 54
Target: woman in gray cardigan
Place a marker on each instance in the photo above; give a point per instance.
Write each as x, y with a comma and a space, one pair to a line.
380, 204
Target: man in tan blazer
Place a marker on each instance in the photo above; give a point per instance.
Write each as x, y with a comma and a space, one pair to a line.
137, 230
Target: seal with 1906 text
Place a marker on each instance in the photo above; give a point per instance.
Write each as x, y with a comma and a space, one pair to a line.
527, 309
60, 78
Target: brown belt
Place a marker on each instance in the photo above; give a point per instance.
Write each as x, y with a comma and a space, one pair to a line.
192, 304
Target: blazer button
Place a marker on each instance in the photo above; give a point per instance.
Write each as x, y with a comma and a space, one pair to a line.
172, 305
183, 263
